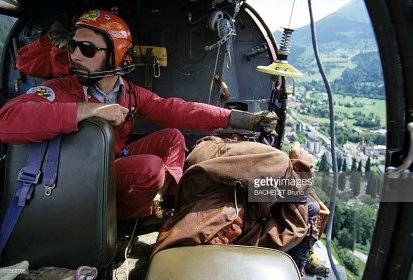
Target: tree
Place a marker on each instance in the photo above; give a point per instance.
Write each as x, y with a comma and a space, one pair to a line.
339, 163
370, 177
368, 165
342, 178
365, 222
345, 239
379, 140
324, 169
349, 261
323, 165
344, 167
326, 182
359, 167
353, 165
356, 178
301, 136
374, 184
293, 138
371, 185
378, 183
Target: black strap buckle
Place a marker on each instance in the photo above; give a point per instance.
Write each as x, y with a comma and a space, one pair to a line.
27, 177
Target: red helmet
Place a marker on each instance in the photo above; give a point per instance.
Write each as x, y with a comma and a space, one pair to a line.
115, 28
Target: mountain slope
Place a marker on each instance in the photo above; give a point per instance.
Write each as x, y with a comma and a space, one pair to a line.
348, 51
347, 25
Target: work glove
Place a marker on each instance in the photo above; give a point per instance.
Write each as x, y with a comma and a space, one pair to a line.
59, 36
265, 121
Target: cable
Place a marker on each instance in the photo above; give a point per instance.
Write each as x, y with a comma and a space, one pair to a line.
213, 75
291, 15
332, 204
127, 247
236, 202
133, 111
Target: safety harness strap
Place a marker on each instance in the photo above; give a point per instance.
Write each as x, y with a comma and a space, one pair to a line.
28, 177
50, 165
148, 68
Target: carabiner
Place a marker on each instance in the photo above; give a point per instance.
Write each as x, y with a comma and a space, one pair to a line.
156, 68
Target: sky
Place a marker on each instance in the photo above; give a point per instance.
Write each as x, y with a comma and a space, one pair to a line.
276, 13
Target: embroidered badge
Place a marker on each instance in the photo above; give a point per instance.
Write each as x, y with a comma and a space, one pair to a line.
91, 15
44, 92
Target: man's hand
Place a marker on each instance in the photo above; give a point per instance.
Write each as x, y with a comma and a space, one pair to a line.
114, 113
264, 120
268, 121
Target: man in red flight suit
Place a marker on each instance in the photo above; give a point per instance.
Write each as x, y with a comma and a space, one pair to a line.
100, 52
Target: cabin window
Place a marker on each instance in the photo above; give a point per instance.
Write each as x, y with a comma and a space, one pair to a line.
6, 23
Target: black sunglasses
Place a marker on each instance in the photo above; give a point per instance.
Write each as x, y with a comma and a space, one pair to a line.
87, 48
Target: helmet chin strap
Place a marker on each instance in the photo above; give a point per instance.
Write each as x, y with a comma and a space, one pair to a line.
100, 74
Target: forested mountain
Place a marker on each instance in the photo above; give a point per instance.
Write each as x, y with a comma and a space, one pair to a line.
348, 51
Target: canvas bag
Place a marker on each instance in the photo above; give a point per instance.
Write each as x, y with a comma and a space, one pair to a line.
206, 205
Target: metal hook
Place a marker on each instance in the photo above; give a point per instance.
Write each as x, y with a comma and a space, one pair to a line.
229, 60
48, 189
156, 68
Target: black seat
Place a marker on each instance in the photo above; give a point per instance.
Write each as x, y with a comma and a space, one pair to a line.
76, 224
222, 262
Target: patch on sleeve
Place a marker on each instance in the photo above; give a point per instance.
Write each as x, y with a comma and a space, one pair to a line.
44, 92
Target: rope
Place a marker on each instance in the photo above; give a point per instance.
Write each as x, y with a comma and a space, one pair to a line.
213, 75
332, 142
291, 15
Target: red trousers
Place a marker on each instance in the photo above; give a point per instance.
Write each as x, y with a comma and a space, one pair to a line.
141, 174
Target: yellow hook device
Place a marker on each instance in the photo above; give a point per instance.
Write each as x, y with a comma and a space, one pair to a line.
280, 67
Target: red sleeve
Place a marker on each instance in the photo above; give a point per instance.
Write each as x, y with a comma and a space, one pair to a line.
178, 113
32, 118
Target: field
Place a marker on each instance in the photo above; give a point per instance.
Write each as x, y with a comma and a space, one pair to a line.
375, 106
363, 105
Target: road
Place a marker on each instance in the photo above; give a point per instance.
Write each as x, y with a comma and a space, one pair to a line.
319, 135
363, 257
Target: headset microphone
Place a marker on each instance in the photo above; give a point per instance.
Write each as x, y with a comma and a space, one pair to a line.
100, 74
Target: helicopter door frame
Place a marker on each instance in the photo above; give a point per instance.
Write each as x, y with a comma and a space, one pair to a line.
389, 257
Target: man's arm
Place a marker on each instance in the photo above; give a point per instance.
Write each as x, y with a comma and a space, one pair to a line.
178, 113
30, 118
113, 113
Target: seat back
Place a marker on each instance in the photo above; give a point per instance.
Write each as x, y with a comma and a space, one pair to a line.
222, 262
76, 224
